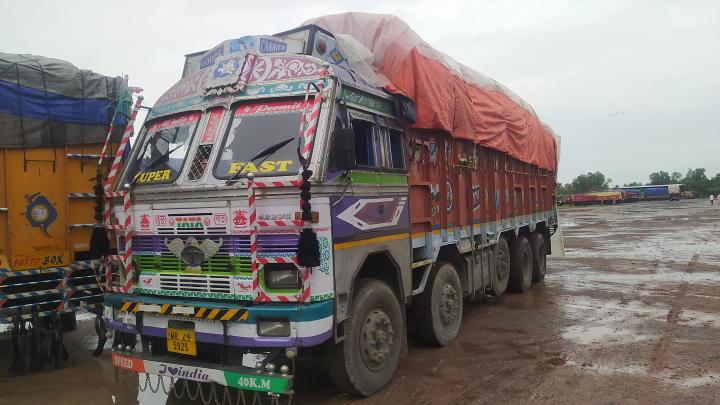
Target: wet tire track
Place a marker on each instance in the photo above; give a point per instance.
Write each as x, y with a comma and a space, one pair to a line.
659, 354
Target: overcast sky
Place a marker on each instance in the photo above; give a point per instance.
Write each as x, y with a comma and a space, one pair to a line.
631, 86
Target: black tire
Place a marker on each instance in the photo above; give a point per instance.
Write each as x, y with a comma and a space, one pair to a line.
68, 321
521, 264
501, 275
437, 311
360, 365
537, 244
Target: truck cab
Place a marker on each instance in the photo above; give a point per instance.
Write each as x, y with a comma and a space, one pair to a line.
214, 232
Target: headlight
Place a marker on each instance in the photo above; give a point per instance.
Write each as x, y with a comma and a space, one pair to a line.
281, 275
273, 327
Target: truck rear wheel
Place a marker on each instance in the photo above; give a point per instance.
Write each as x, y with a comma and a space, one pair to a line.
537, 244
521, 265
501, 275
438, 310
365, 361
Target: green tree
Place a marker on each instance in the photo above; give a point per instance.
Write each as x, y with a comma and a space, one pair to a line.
715, 184
589, 182
696, 180
676, 177
633, 184
564, 189
660, 177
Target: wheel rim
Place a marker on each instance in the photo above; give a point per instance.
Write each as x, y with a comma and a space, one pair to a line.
376, 339
449, 304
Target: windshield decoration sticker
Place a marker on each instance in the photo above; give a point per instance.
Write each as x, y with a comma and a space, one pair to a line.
264, 167
158, 175
211, 127
270, 108
40, 212
270, 46
449, 196
174, 122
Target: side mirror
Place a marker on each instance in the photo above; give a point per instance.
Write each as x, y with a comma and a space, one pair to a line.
343, 152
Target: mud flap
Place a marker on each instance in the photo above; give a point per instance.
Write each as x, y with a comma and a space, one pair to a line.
58, 352
38, 353
17, 367
101, 331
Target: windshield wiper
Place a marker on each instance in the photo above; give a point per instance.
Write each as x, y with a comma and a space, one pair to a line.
153, 162
262, 154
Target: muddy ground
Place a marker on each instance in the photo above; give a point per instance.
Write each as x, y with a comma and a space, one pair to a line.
630, 315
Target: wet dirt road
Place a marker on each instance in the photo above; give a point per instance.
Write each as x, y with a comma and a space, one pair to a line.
630, 315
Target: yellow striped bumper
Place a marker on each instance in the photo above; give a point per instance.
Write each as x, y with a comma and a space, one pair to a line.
190, 312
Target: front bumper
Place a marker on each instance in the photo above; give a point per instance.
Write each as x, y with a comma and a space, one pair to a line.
235, 377
220, 322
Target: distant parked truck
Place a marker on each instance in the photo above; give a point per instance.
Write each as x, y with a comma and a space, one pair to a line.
54, 119
655, 192
597, 197
439, 193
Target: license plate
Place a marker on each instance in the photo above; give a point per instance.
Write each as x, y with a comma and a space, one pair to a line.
181, 341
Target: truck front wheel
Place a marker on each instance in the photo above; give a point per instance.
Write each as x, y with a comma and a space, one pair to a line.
437, 311
365, 361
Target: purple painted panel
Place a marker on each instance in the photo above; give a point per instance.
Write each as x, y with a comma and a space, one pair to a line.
285, 244
358, 215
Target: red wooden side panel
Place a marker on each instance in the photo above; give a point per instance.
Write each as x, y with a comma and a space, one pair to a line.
455, 183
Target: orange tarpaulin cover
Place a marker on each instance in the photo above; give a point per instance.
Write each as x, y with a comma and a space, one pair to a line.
448, 96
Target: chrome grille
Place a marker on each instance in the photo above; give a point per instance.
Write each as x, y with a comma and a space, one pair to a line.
196, 282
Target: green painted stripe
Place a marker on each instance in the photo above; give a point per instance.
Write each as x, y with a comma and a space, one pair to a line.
365, 177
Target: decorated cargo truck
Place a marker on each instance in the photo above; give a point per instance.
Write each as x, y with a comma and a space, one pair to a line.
325, 186
54, 120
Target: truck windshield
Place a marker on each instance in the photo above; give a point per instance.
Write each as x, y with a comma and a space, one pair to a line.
162, 150
254, 127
